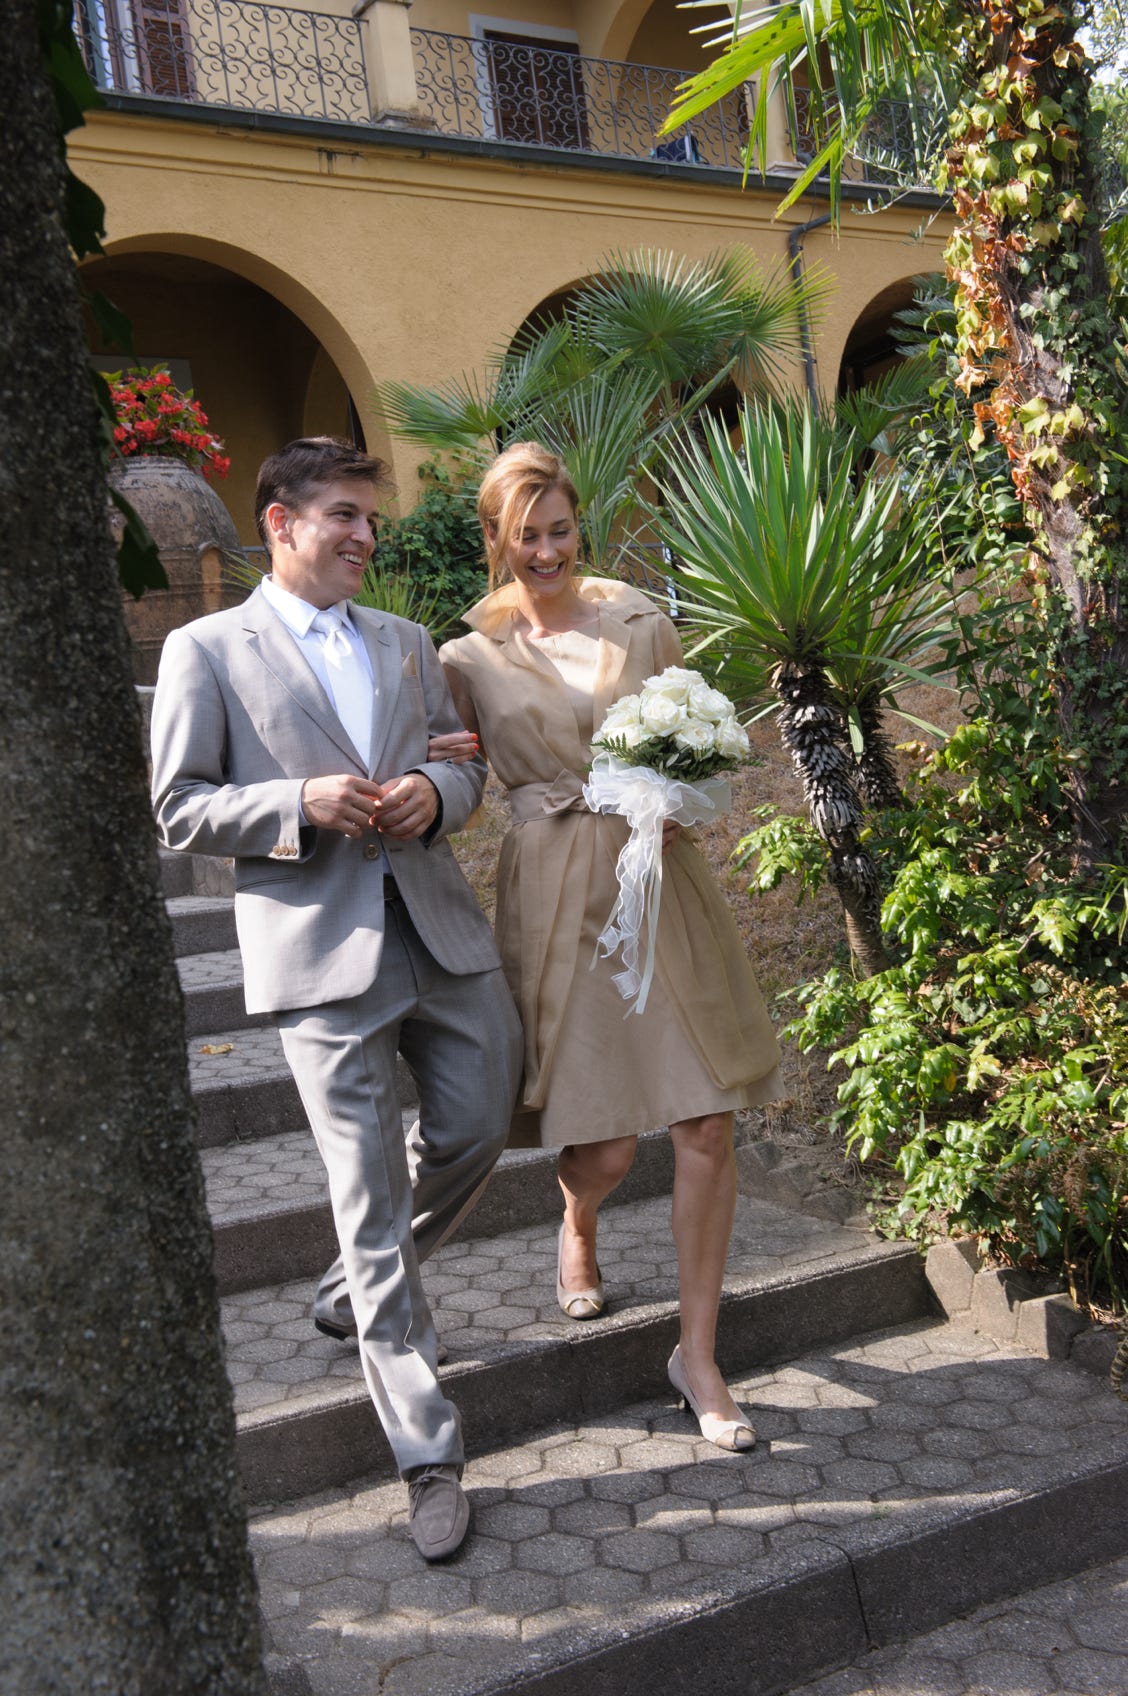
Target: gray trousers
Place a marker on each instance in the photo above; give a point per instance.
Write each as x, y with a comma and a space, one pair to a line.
395, 1199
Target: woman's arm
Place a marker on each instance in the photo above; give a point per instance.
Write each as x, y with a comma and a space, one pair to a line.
461, 745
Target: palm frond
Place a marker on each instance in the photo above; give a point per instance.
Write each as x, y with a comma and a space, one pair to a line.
465, 411
855, 55
875, 412
684, 317
599, 428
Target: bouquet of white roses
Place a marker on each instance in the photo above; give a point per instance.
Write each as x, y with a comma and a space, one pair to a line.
676, 724
660, 753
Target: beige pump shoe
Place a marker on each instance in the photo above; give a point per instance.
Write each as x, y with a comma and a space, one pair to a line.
577, 1304
736, 1435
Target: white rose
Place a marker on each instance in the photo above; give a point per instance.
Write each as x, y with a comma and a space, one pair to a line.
673, 684
709, 703
621, 713
661, 715
732, 740
626, 735
695, 738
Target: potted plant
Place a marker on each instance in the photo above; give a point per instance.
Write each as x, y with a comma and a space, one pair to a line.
164, 455
155, 418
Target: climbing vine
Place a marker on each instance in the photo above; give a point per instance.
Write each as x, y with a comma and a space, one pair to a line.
1037, 346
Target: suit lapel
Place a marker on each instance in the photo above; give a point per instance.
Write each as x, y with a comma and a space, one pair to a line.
386, 660
268, 637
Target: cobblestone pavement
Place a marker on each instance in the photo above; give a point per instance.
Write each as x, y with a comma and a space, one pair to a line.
580, 1530
1067, 1639
497, 1291
219, 970
245, 1057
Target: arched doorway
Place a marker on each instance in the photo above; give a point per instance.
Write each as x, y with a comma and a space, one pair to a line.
260, 372
870, 348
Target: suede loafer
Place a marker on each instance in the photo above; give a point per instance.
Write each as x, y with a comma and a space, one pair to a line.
439, 1516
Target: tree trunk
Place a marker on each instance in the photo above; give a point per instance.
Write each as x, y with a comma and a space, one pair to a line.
877, 772
811, 731
125, 1565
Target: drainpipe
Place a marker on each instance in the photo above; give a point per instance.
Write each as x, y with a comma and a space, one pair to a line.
795, 264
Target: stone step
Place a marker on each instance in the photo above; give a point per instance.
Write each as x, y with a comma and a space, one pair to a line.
176, 873
201, 924
900, 1480
212, 984
243, 1090
269, 1203
515, 1361
242, 1086
1057, 1639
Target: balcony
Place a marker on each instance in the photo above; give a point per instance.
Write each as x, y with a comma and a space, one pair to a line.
242, 55
552, 97
230, 54
886, 154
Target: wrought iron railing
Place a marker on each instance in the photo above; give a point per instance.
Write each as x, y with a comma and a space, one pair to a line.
229, 53
887, 151
552, 97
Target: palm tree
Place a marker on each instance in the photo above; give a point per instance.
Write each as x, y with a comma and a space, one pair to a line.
818, 588
641, 350
1038, 336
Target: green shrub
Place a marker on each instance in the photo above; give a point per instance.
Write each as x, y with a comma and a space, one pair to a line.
437, 547
988, 1069
985, 1072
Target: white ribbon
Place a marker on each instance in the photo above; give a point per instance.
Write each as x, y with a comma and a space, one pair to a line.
646, 799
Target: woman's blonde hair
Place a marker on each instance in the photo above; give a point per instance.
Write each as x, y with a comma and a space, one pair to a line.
510, 489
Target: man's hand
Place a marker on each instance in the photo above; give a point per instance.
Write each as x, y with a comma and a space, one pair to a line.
340, 803
405, 807
458, 746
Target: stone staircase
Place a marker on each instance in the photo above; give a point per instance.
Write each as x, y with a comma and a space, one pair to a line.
908, 1469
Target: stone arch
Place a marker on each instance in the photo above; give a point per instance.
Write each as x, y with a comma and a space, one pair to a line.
550, 306
267, 359
655, 32
869, 348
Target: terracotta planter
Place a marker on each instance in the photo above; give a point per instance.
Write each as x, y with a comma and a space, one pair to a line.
191, 527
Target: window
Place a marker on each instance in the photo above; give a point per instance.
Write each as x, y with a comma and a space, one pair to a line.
536, 90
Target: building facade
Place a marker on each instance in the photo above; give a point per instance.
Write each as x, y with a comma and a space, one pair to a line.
303, 204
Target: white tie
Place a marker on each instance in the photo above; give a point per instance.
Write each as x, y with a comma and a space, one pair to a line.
349, 682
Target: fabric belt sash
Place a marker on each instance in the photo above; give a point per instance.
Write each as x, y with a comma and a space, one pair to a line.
531, 801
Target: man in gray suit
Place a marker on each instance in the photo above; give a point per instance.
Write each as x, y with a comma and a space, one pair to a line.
291, 733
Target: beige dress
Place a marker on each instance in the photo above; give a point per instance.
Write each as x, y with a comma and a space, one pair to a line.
705, 1043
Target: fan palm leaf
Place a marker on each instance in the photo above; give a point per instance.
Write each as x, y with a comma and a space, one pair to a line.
682, 317
601, 431
465, 412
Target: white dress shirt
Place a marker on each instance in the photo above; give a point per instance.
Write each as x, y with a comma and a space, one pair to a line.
298, 616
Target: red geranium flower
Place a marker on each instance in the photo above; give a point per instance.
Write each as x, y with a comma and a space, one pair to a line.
154, 417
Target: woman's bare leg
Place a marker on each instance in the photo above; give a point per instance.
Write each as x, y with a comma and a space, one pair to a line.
588, 1172
704, 1206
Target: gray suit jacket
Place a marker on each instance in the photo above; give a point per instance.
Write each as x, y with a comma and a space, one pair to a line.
239, 722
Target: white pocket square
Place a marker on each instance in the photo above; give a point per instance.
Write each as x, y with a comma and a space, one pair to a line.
409, 667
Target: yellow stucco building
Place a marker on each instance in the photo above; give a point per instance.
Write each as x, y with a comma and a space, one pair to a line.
302, 204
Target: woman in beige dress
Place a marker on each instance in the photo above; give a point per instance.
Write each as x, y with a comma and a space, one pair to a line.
548, 653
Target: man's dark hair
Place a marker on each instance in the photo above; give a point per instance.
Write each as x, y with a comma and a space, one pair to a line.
294, 473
